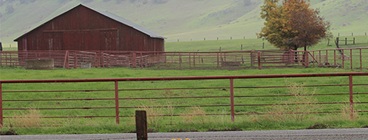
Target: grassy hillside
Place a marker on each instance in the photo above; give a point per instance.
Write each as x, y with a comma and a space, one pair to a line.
184, 20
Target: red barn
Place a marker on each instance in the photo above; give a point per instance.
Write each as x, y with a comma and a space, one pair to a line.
84, 28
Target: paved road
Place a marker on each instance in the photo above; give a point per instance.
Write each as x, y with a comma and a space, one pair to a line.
325, 134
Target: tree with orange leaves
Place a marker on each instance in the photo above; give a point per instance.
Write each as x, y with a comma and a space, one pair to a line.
292, 25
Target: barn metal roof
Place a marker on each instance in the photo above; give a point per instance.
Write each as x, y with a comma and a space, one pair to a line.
112, 16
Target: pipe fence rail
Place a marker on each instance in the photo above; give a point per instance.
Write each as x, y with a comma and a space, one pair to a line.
182, 98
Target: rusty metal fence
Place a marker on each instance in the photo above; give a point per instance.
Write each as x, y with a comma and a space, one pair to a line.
353, 58
232, 96
159, 60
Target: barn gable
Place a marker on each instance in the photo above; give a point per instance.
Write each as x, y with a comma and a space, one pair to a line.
84, 28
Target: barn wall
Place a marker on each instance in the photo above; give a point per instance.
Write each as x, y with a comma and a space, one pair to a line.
84, 29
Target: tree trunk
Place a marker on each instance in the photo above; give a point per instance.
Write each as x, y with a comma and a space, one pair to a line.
305, 56
295, 49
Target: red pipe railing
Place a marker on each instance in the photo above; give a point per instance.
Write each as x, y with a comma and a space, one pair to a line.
232, 95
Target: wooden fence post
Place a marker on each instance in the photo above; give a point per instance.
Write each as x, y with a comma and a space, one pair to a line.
354, 41
141, 124
259, 60
346, 41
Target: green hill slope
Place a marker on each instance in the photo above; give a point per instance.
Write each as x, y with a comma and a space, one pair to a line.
183, 19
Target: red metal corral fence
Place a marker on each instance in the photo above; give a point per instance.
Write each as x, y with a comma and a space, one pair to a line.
176, 98
351, 58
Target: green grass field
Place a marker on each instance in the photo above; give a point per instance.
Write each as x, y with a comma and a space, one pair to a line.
188, 118
186, 121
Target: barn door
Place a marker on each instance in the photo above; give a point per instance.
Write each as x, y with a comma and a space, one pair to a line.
108, 40
54, 40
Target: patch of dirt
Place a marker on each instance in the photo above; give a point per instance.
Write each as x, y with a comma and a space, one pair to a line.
9, 132
318, 126
226, 129
183, 130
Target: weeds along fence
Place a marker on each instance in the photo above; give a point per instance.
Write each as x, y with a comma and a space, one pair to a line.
181, 100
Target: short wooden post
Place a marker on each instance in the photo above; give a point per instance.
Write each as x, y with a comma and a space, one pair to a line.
259, 60
346, 41
141, 124
354, 41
